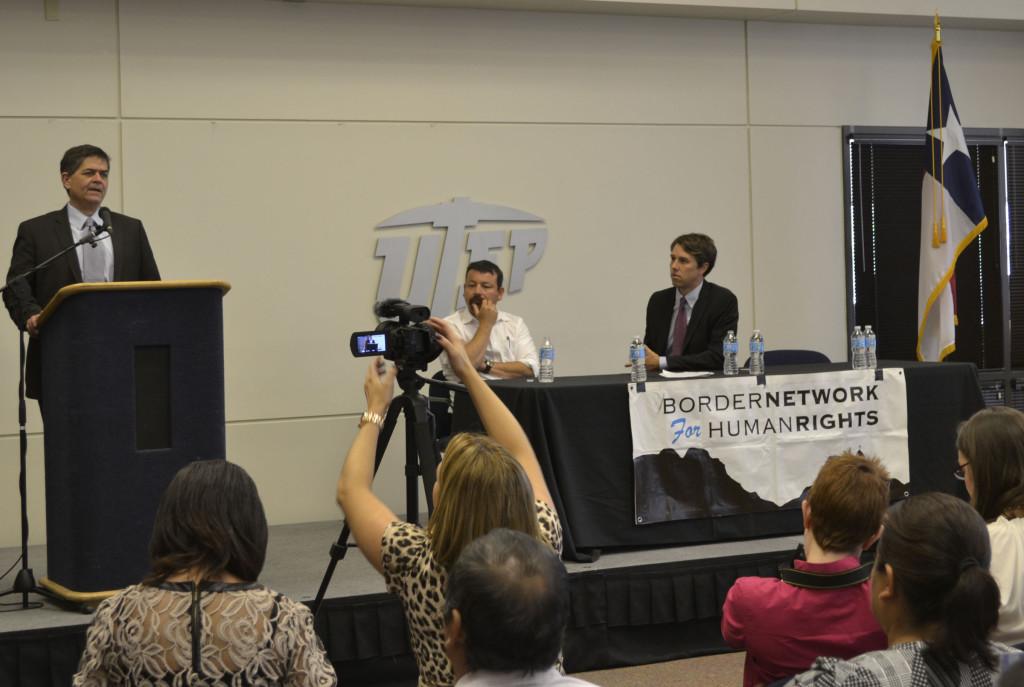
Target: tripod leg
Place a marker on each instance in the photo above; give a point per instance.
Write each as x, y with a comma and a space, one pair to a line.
426, 447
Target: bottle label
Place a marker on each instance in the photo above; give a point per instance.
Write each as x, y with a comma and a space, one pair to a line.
636, 353
731, 347
547, 354
757, 347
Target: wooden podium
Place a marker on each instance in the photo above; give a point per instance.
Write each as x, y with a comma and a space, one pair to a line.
132, 390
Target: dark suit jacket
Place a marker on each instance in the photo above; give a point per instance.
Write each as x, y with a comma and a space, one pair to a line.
715, 313
41, 237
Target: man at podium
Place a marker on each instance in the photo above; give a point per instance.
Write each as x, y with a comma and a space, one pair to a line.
121, 251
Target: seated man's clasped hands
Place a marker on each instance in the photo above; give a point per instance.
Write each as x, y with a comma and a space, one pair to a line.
483, 482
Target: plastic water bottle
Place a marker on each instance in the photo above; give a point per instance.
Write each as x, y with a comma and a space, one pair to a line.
757, 353
870, 348
547, 362
730, 347
637, 357
858, 361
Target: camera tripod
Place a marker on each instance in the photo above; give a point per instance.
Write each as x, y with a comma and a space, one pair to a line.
421, 460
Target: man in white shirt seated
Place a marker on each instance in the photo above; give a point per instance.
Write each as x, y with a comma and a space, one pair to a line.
506, 609
498, 343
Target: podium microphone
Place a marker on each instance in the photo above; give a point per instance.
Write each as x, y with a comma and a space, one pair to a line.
108, 224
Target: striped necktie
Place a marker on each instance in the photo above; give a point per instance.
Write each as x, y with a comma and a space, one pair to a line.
94, 258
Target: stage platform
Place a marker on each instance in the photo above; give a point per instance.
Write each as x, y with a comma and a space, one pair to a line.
628, 608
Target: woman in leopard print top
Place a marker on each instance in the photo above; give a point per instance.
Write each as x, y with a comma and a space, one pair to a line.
484, 482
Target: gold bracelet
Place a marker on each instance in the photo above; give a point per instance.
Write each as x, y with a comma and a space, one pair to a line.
375, 418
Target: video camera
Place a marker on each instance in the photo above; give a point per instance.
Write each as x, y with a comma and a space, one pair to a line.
407, 342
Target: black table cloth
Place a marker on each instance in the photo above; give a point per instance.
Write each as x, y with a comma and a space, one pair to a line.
580, 430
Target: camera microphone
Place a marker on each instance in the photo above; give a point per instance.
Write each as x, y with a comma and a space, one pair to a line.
386, 307
396, 307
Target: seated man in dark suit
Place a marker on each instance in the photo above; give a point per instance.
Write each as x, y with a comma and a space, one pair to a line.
687, 322
121, 253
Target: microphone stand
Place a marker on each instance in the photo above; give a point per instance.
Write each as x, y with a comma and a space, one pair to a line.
25, 582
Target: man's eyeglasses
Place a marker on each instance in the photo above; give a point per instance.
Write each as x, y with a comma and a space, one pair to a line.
958, 471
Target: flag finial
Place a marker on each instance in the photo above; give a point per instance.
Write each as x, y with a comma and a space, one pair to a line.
938, 28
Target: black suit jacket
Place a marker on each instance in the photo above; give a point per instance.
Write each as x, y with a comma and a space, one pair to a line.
44, 236
715, 313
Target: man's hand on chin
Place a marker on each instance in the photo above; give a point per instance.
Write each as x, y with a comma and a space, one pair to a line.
486, 312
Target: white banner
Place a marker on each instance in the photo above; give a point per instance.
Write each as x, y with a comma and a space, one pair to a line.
770, 440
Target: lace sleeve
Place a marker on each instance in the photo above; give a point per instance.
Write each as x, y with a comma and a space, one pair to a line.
92, 669
308, 664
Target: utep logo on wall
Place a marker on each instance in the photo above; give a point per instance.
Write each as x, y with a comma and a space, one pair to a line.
457, 218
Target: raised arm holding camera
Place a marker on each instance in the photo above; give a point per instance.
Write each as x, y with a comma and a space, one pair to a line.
484, 482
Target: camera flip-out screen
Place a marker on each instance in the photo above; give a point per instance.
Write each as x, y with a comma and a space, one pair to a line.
368, 343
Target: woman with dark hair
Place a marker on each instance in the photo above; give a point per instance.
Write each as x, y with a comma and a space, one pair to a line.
484, 482
934, 598
200, 617
990, 461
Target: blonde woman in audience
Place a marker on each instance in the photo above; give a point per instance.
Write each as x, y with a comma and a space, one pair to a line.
932, 593
483, 482
990, 461
201, 618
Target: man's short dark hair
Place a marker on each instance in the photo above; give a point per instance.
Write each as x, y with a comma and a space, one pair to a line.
700, 246
74, 157
512, 594
486, 267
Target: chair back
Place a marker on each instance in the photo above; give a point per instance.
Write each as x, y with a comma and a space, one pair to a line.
792, 356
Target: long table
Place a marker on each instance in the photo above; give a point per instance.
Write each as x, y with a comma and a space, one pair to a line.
580, 430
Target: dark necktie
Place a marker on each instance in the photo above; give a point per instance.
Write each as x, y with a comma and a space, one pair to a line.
679, 334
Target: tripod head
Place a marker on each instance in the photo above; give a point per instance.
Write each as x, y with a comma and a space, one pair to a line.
409, 380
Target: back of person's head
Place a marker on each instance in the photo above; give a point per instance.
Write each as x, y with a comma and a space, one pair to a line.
992, 441
487, 267
210, 520
74, 157
700, 246
848, 501
939, 551
512, 595
481, 487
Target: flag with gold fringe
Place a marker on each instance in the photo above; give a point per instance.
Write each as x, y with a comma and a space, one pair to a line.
951, 215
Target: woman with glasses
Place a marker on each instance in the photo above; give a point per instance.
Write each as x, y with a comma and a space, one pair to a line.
932, 593
990, 461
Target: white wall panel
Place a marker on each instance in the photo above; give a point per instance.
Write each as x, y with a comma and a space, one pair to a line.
296, 464
286, 212
798, 238
59, 68
278, 60
974, 9
10, 500
809, 74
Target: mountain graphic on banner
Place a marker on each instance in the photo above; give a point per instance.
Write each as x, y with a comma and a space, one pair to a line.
697, 485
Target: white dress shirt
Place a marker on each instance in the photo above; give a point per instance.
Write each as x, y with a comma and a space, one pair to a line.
1007, 537
548, 678
510, 341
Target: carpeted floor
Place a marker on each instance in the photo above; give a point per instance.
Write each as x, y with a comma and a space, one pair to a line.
721, 670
